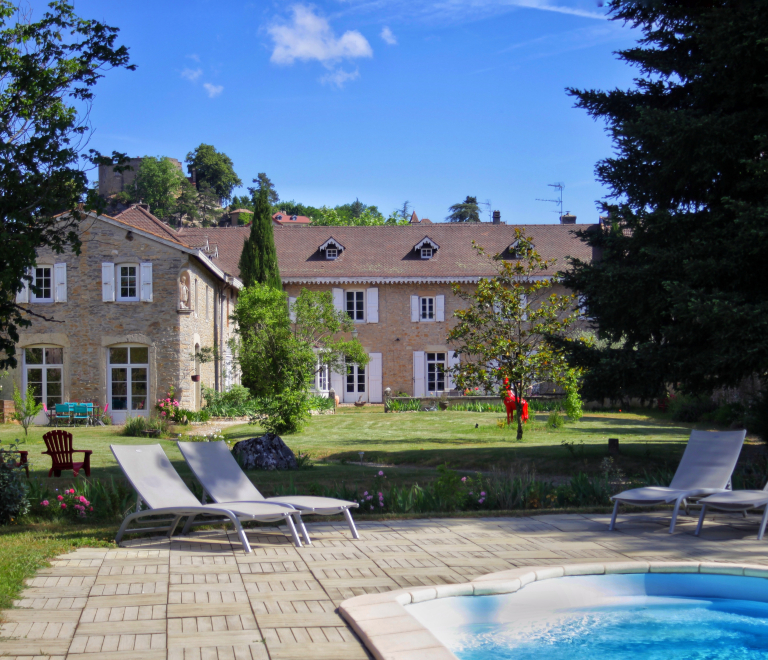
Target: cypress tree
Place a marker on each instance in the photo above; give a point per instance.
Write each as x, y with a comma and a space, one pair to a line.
258, 261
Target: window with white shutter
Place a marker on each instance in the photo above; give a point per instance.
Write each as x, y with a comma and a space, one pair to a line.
414, 309
374, 378
108, 282
419, 369
338, 299
146, 282
372, 303
291, 310
440, 309
60, 282
23, 295
453, 362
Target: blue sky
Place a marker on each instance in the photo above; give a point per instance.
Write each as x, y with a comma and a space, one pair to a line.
385, 100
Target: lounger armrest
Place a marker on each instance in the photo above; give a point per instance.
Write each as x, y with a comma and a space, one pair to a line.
87, 452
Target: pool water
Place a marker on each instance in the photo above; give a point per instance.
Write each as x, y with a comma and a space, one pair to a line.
732, 629
608, 617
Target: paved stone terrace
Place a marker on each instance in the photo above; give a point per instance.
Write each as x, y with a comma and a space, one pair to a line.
202, 598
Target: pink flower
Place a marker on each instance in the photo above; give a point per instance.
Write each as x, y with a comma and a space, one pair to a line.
482, 493
63, 506
481, 500
381, 495
91, 509
365, 493
463, 479
381, 473
381, 504
71, 491
371, 507
44, 503
59, 497
162, 414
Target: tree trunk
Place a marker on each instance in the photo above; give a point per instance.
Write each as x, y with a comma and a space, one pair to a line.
519, 412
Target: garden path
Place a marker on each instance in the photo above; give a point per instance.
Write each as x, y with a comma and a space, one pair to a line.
202, 598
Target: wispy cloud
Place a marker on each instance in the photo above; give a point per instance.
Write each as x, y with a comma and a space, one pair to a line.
388, 36
191, 74
564, 42
308, 36
338, 77
213, 90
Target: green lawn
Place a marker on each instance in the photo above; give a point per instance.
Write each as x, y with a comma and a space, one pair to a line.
414, 443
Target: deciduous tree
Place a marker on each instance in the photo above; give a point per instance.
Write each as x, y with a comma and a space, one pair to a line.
214, 168
158, 183
504, 330
48, 69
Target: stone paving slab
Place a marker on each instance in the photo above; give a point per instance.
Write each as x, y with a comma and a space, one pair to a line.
201, 598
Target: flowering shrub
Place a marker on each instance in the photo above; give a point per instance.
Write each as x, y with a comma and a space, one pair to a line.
64, 503
169, 408
214, 435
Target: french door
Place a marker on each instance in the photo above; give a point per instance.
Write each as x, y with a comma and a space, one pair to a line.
355, 384
128, 382
43, 368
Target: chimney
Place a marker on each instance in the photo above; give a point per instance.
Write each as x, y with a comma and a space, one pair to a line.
497, 217
567, 219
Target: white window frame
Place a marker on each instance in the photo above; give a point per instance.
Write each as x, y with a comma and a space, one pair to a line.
44, 366
33, 297
427, 252
427, 300
331, 253
119, 282
358, 379
435, 361
322, 379
119, 415
362, 304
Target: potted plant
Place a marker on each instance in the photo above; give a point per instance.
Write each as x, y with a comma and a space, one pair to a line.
195, 378
204, 355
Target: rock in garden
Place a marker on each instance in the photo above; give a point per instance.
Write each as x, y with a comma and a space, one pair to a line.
267, 452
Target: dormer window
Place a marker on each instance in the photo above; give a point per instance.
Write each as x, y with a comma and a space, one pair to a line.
294, 218
426, 248
332, 249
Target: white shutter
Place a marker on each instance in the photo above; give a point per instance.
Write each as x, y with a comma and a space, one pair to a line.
372, 301
146, 283
419, 377
60, 282
23, 295
374, 378
291, 311
338, 299
524, 307
108, 282
414, 309
453, 361
337, 384
440, 308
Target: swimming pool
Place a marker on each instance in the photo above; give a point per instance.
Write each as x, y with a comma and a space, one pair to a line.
613, 617
605, 611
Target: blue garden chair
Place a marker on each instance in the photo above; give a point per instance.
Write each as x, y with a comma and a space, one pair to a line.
81, 414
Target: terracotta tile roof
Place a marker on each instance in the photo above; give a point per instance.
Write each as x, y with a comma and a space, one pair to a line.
140, 218
387, 251
227, 241
284, 219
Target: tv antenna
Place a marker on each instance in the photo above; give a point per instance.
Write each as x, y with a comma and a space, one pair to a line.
559, 187
487, 203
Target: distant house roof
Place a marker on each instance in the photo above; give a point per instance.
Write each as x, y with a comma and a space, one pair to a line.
415, 220
281, 217
241, 211
137, 216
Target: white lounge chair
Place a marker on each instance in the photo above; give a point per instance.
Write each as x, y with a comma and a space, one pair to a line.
737, 501
223, 479
160, 487
705, 469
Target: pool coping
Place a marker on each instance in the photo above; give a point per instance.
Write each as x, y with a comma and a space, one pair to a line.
389, 632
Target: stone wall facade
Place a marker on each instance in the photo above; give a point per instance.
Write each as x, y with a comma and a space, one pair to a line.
86, 327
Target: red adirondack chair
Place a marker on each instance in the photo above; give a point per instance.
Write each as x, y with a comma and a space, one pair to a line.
59, 444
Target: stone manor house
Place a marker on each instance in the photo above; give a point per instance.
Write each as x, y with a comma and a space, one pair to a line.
142, 299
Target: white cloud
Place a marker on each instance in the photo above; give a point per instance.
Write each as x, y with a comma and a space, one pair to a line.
388, 37
213, 90
191, 74
193, 56
310, 37
339, 77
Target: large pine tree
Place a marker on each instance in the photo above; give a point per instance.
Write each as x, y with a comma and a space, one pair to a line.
258, 261
679, 292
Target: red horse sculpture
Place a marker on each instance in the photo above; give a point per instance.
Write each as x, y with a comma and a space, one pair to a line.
510, 402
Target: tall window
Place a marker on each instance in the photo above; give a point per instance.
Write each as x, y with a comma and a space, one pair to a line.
427, 309
436, 372
355, 379
322, 380
355, 305
128, 288
129, 378
43, 280
43, 367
